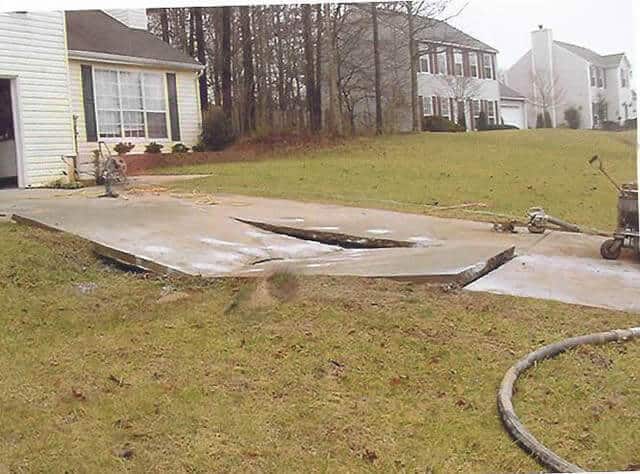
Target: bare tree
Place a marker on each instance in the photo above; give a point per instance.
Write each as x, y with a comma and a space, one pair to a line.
546, 95
463, 90
334, 117
376, 62
249, 113
202, 57
226, 62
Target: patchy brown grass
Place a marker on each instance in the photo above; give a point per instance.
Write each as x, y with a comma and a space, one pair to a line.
324, 374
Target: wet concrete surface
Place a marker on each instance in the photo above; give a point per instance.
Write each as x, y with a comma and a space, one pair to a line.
189, 237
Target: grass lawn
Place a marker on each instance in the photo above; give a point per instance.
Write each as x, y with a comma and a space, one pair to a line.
288, 374
508, 171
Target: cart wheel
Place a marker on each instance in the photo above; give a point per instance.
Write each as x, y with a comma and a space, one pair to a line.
610, 249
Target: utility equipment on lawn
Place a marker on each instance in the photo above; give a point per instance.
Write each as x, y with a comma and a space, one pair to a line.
539, 221
114, 170
627, 233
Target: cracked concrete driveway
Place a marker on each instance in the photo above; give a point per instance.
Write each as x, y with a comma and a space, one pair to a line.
162, 232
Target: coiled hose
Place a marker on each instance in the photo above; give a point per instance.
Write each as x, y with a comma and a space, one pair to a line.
505, 406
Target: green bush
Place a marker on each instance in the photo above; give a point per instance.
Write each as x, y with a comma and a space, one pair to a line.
198, 147
179, 148
440, 124
483, 122
610, 126
572, 117
462, 121
631, 124
217, 130
153, 147
123, 148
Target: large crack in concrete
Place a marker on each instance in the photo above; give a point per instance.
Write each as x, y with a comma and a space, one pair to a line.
337, 239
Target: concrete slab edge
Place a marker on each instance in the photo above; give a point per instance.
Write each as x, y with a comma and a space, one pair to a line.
105, 251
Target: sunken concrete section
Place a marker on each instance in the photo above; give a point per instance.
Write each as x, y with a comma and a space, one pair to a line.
162, 233
248, 237
330, 238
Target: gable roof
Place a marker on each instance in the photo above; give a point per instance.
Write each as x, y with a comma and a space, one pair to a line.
436, 31
610, 60
507, 92
95, 33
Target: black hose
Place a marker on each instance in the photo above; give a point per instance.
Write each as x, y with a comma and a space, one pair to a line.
514, 426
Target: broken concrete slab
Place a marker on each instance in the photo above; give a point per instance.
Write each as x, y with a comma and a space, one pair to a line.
163, 232
166, 234
568, 267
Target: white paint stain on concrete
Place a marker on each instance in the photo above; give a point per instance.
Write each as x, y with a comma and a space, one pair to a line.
256, 234
213, 241
325, 228
378, 231
211, 267
157, 249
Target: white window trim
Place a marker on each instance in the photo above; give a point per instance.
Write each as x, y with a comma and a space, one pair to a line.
428, 59
135, 140
491, 113
427, 100
489, 65
456, 55
474, 54
445, 100
444, 54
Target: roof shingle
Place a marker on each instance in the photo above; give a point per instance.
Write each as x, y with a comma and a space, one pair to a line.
610, 60
95, 31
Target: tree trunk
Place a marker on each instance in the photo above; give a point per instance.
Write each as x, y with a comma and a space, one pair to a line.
226, 62
318, 91
249, 113
413, 70
334, 118
164, 24
376, 61
192, 37
309, 74
202, 58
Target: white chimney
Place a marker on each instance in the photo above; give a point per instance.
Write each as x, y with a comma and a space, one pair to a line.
542, 62
132, 18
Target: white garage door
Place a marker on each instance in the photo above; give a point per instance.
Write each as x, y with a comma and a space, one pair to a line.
512, 114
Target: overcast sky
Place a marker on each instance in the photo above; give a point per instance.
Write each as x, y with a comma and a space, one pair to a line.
605, 26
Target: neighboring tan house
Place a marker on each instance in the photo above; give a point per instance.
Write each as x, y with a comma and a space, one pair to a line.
555, 76
513, 107
76, 78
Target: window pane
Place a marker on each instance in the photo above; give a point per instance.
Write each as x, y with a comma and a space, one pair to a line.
109, 124
154, 92
107, 89
442, 63
133, 124
424, 64
131, 90
157, 124
444, 105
